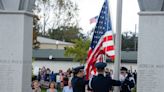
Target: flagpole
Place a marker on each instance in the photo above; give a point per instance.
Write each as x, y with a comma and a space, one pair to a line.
104, 56
118, 43
135, 40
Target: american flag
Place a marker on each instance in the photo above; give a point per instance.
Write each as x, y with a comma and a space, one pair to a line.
93, 20
102, 41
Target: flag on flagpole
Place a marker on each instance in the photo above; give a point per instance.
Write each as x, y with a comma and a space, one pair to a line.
93, 20
102, 41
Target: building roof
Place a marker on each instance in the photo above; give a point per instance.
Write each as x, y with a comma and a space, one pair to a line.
52, 41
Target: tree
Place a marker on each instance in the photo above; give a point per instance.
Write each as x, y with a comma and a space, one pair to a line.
65, 33
79, 50
36, 44
55, 13
129, 41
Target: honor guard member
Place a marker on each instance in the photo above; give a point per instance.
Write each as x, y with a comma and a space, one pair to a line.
127, 81
100, 83
78, 81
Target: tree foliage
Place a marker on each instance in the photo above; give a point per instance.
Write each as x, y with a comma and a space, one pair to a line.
81, 46
55, 13
65, 33
36, 43
129, 41
79, 51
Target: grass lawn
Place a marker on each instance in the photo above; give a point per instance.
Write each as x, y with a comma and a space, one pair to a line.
44, 90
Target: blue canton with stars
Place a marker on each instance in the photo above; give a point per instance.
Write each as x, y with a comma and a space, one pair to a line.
103, 25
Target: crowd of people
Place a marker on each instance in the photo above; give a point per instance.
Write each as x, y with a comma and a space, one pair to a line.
59, 81
73, 80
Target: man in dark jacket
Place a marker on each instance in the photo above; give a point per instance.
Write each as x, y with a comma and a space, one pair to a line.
101, 83
127, 80
78, 81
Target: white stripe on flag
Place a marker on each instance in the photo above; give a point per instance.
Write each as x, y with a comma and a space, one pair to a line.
112, 52
108, 43
108, 33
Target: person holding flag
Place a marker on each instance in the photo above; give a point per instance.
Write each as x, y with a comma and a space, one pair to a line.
127, 80
100, 83
78, 81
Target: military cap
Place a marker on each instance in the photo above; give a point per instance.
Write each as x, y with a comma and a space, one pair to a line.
77, 69
124, 69
100, 65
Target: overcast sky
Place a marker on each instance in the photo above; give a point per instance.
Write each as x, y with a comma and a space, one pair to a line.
91, 8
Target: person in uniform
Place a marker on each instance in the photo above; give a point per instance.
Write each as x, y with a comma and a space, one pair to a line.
78, 81
102, 83
127, 80
135, 76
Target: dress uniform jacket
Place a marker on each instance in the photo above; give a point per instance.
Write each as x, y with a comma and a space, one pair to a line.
101, 83
78, 84
127, 84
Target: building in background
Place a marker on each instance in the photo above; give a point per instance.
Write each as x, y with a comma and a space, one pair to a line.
51, 55
46, 43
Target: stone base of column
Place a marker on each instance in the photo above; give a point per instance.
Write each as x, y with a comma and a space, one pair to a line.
15, 51
151, 52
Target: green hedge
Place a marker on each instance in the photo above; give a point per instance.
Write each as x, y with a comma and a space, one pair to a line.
134, 90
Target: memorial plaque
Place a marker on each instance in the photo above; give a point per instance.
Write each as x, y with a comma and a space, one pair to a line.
9, 73
150, 78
